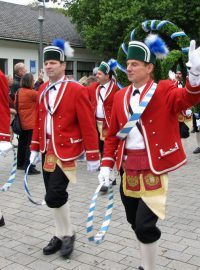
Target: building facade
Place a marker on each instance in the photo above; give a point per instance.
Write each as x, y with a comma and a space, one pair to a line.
20, 39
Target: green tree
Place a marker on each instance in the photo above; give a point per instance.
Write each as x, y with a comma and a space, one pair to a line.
103, 24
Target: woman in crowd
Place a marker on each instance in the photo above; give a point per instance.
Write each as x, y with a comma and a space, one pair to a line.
27, 98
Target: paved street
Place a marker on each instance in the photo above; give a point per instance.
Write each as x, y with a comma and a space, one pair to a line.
29, 228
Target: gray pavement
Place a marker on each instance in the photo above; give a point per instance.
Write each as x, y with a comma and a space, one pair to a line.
29, 228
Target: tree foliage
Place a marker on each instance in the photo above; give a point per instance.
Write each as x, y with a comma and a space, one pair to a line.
103, 24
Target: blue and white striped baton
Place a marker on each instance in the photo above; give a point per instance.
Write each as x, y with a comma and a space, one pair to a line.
11, 178
98, 238
27, 189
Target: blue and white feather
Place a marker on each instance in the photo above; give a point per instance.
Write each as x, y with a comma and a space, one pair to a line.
157, 46
113, 64
65, 46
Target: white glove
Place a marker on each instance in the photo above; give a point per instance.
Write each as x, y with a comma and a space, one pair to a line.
5, 147
172, 75
194, 64
93, 165
188, 112
104, 176
34, 157
194, 58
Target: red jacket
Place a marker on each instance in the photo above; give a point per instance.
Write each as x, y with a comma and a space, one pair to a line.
27, 99
94, 90
159, 126
4, 109
73, 129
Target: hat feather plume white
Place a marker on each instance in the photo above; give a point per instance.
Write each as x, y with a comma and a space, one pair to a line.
65, 46
157, 46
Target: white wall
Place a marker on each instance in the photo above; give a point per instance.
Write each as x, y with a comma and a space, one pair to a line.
17, 50
29, 51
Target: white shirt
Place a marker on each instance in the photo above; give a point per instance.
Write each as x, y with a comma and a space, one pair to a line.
103, 90
180, 85
52, 98
135, 139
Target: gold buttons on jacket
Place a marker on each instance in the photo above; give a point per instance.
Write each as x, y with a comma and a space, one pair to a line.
153, 132
150, 121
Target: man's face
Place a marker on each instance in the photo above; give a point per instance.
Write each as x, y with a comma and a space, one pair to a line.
22, 71
102, 78
55, 70
138, 71
179, 76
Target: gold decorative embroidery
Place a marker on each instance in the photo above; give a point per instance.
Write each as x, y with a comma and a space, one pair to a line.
50, 162
151, 179
51, 158
133, 181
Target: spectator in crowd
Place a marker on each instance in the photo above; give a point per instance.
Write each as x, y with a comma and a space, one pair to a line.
91, 79
10, 82
27, 99
83, 81
20, 70
95, 70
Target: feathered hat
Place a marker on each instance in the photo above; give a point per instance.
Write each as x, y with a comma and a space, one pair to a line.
59, 50
108, 68
148, 51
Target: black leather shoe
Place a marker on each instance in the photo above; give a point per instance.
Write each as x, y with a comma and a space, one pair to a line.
67, 245
104, 189
141, 268
2, 222
197, 150
33, 171
53, 246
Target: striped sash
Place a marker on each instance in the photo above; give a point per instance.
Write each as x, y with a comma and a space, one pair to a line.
122, 134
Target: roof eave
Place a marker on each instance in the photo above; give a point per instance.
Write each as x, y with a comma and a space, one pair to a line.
37, 42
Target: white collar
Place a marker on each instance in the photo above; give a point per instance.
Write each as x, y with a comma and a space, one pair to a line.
57, 86
106, 85
140, 89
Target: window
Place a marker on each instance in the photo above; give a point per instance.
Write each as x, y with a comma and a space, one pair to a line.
84, 69
69, 69
4, 65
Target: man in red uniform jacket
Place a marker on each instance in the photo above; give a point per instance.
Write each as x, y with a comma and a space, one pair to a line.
5, 144
64, 129
145, 152
101, 94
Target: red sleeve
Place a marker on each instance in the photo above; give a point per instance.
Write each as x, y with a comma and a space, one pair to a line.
4, 109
